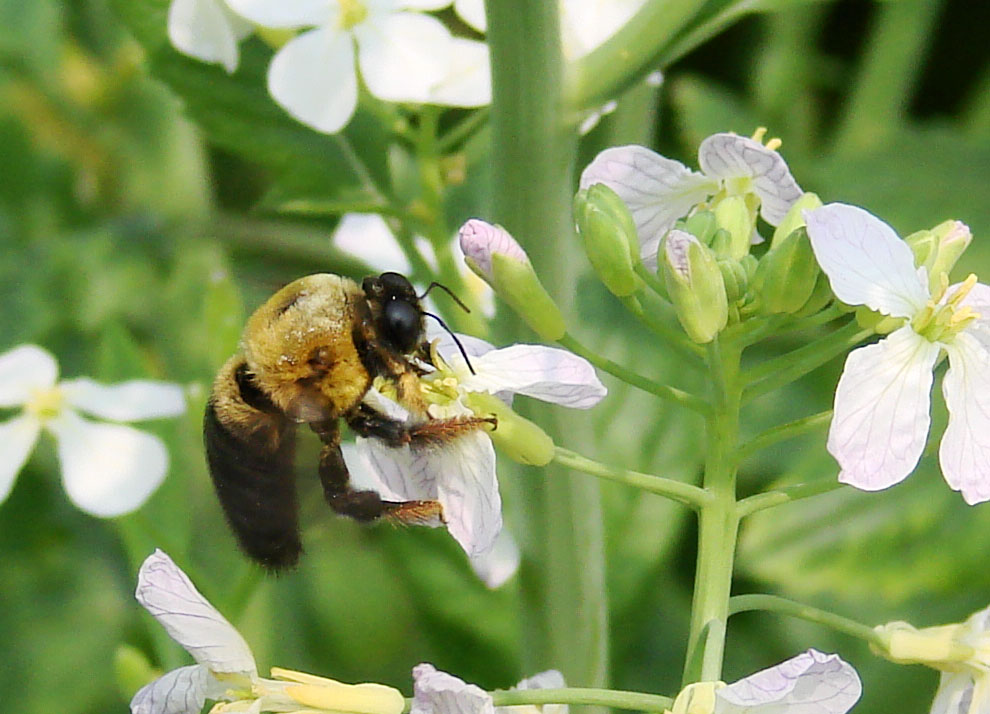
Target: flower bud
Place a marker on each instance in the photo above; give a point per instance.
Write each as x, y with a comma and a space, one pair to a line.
501, 262
937, 647
821, 296
702, 225
735, 278
515, 436
734, 216
953, 239
610, 237
787, 273
694, 282
795, 218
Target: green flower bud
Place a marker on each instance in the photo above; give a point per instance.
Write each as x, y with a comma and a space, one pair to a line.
953, 238
702, 225
787, 274
750, 263
734, 216
721, 244
694, 282
795, 217
821, 296
924, 245
610, 238
518, 438
735, 279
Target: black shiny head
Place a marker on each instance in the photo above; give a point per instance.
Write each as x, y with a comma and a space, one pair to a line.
400, 319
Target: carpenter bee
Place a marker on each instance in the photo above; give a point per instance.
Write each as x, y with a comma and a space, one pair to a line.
309, 355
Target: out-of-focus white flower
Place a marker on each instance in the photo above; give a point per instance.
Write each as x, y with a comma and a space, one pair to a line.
107, 469
207, 30
436, 692
404, 55
882, 402
225, 669
659, 191
810, 683
461, 473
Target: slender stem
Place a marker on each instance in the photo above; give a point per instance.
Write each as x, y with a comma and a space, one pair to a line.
783, 606
651, 279
633, 701
671, 394
790, 430
686, 493
330, 207
476, 119
360, 170
674, 339
717, 523
775, 373
787, 494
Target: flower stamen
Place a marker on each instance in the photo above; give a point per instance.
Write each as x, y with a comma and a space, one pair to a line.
45, 404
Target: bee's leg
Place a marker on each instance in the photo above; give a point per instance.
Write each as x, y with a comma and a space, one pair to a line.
433, 432
361, 505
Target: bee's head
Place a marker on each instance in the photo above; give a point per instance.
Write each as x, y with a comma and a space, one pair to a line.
399, 317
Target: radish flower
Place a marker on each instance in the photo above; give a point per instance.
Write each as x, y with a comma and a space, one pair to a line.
207, 30
436, 692
882, 402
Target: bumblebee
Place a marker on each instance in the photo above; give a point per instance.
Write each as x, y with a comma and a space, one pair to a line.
309, 355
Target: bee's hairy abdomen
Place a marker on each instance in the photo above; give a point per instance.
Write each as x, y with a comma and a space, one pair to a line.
249, 450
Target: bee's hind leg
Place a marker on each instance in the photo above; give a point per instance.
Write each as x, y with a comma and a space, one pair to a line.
429, 433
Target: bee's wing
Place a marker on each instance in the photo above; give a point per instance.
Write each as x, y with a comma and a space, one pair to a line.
249, 449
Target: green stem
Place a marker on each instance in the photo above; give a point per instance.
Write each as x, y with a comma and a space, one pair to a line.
787, 494
718, 523
360, 170
783, 606
632, 701
330, 207
450, 140
651, 279
776, 373
686, 493
790, 430
671, 394
674, 339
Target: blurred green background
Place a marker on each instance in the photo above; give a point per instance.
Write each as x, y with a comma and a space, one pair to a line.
144, 211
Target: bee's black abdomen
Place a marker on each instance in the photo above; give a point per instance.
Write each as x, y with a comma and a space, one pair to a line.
256, 487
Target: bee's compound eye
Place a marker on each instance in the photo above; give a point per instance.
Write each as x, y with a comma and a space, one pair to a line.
396, 284
403, 325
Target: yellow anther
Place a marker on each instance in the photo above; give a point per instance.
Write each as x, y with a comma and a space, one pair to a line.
962, 291
774, 143
759, 134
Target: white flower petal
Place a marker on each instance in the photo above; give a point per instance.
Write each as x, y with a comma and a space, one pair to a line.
206, 30
128, 401
881, 410
468, 490
499, 564
422, 5
811, 683
551, 679
368, 237
586, 24
363, 474
313, 78
548, 373
18, 436
107, 469
436, 692
954, 694
474, 346
23, 370
728, 156
403, 56
657, 190
965, 449
189, 618
479, 240
400, 474
181, 691
287, 13
473, 13
467, 81
979, 300
866, 263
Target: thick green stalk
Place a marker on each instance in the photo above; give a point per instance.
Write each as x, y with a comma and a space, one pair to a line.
717, 521
565, 610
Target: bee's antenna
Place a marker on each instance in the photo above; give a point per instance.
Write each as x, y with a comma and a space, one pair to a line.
447, 290
451, 333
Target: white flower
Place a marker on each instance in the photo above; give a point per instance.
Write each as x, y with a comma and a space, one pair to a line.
659, 191
810, 683
461, 473
882, 402
225, 668
207, 30
436, 692
107, 469
404, 56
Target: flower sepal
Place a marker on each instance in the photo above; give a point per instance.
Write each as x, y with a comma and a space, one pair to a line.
939, 647
787, 274
938, 249
515, 436
609, 236
736, 218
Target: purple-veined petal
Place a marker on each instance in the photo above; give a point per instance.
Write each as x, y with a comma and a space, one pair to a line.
881, 410
472, 12
810, 683
364, 475
403, 56
436, 692
965, 449
728, 156
467, 81
657, 190
128, 401
954, 694
181, 691
23, 370
479, 240
548, 373
866, 263
978, 300
189, 618
400, 474
468, 490
499, 564
313, 78
474, 346
18, 437
288, 13
107, 469
206, 30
